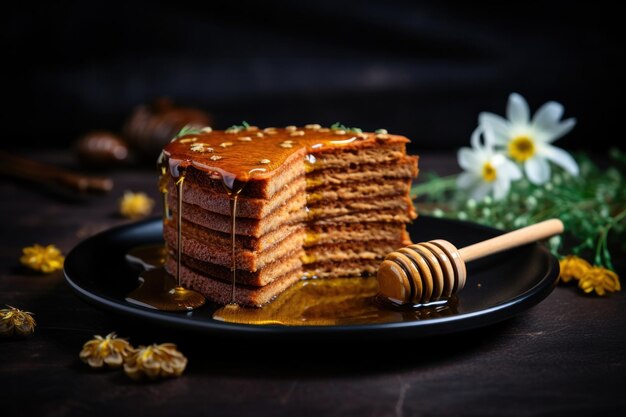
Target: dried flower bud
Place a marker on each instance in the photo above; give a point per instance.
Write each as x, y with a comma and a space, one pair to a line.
15, 322
44, 259
108, 351
573, 267
155, 361
135, 205
600, 280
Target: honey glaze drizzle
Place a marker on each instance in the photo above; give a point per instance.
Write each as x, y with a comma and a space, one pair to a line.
156, 288
233, 187
233, 236
163, 180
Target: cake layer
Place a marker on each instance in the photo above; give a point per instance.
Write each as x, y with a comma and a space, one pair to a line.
402, 168
247, 207
350, 251
362, 268
327, 210
387, 216
360, 190
221, 292
259, 278
333, 158
290, 212
246, 259
213, 238
360, 232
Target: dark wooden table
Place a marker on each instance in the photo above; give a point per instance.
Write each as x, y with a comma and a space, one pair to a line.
566, 356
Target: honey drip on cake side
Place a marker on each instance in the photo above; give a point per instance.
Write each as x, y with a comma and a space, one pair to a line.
157, 288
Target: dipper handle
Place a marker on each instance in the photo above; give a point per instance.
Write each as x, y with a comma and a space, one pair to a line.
512, 239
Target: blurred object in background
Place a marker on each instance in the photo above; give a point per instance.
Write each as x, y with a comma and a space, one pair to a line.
64, 183
152, 126
101, 149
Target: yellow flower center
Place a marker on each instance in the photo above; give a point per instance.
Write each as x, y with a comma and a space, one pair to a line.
489, 172
521, 148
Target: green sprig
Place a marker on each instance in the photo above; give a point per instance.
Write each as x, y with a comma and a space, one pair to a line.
339, 126
592, 206
237, 128
187, 130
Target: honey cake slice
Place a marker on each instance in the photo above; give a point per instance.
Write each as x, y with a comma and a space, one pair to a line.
339, 185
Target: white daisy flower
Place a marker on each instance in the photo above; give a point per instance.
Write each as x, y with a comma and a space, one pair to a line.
527, 141
485, 169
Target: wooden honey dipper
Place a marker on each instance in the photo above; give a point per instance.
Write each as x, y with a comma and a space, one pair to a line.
429, 271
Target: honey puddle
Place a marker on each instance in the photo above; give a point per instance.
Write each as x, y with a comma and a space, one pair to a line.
310, 302
331, 302
147, 257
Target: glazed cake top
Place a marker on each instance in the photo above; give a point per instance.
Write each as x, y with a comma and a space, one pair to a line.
248, 152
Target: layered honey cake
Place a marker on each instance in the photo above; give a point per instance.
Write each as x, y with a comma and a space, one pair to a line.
289, 203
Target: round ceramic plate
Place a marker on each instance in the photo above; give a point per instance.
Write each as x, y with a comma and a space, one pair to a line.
498, 287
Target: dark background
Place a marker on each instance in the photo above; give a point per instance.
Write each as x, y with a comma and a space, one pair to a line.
419, 69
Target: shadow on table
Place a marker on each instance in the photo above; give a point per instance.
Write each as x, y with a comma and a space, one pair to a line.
286, 359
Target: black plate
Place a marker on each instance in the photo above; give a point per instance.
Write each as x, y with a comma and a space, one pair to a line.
498, 287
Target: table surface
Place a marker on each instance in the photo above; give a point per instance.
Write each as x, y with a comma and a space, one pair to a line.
565, 356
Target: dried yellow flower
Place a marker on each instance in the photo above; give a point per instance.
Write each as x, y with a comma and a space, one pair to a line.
45, 259
110, 351
155, 361
600, 280
135, 205
573, 267
15, 322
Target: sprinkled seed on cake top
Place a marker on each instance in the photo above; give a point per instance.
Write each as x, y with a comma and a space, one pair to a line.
200, 147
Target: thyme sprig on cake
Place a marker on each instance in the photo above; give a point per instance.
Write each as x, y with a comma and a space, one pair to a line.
339, 126
188, 130
502, 189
